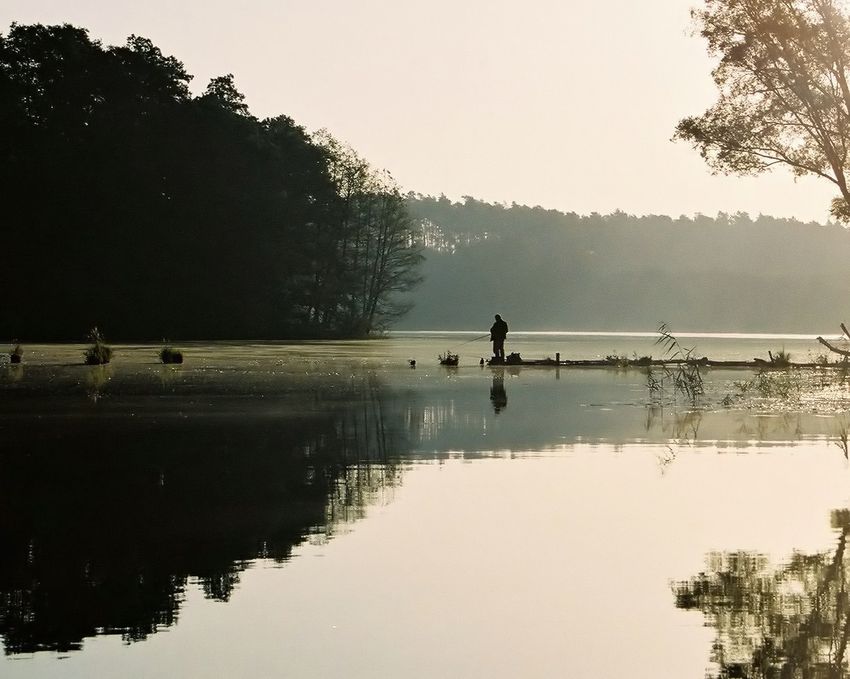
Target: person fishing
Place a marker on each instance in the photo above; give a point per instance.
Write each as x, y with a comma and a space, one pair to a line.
498, 333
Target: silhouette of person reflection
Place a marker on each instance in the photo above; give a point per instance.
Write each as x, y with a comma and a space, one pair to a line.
498, 332
498, 395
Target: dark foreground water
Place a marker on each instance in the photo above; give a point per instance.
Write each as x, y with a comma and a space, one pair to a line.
322, 510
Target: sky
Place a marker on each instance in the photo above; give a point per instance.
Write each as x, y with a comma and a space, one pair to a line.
564, 104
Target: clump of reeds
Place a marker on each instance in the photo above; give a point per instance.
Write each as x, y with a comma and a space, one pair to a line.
685, 375
169, 354
99, 353
16, 355
449, 358
780, 359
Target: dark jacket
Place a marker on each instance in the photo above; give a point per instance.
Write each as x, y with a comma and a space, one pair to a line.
499, 330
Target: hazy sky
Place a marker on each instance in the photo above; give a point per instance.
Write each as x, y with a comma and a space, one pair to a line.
565, 104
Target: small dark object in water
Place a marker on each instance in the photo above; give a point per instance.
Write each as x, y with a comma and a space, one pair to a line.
513, 359
15, 358
412, 362
481, 362
17, 354
170, 355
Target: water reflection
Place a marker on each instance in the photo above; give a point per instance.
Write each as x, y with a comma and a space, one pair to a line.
97, 377
498, 395
787, 621
103, 524
119, 491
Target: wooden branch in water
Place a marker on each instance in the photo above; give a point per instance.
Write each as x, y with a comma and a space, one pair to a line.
833, 348
844, 330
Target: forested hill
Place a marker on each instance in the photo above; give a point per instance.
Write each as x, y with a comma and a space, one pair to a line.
547, 270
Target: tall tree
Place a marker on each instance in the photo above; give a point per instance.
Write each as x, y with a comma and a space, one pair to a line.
371, 253
783, 82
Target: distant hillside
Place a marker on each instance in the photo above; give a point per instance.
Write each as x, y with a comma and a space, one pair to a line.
547, 270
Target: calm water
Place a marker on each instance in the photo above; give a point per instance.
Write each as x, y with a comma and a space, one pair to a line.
323, 510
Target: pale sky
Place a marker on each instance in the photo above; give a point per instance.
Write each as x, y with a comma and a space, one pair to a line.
565, 104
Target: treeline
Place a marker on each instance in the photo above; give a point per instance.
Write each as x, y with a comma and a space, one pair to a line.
133, 205
548, 270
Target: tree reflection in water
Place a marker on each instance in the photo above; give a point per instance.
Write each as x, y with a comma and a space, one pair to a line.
792, 621
104, 522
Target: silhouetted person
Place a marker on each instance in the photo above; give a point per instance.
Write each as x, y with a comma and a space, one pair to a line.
498, 395
498, 332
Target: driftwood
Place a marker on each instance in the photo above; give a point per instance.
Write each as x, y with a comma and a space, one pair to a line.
759, 363
834, 349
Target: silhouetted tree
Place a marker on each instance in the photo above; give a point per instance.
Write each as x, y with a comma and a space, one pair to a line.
784, 97
373, 252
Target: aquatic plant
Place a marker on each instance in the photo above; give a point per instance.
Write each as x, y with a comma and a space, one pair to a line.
820, 359
449, 358
780, 359
169, 354
99, 353
783, 386
685, 375
653, 384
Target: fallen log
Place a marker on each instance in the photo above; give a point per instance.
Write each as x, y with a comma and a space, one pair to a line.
833, 348
756, 363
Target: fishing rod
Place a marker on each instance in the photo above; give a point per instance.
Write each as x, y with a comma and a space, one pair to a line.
474, 339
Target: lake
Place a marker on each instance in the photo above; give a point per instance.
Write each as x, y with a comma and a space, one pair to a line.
321, 509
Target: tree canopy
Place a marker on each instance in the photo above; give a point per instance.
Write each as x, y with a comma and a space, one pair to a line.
783, 90
135, 206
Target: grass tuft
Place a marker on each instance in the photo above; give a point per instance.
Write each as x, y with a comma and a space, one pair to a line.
780, 359
449, 358
99, 353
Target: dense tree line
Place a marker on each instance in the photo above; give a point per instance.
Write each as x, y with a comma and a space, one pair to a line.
548, 270
131, 204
